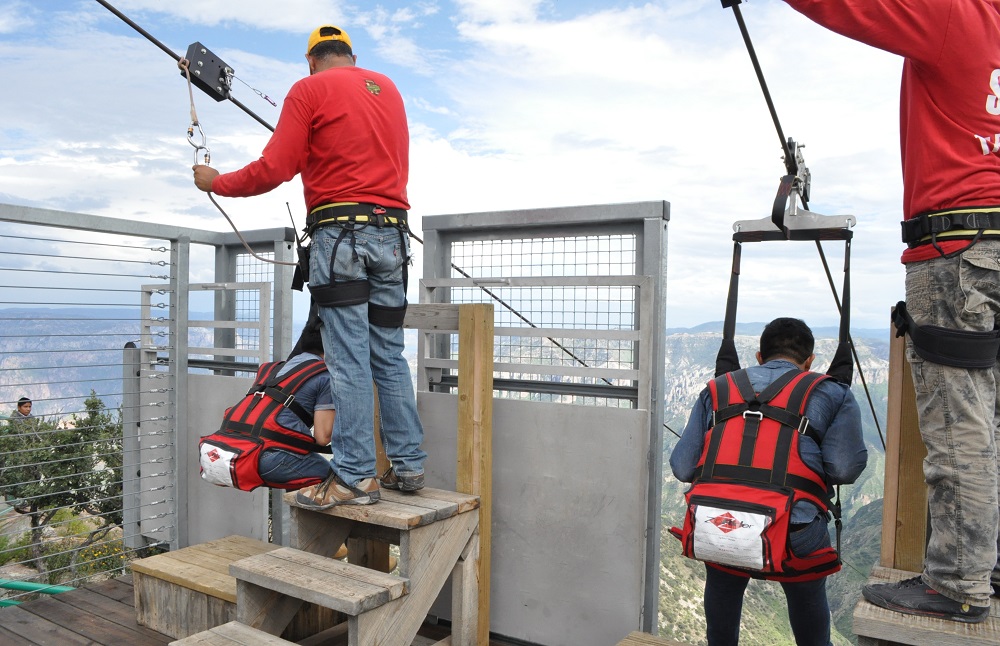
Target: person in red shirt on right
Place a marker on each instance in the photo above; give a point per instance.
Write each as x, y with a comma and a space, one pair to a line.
950, 139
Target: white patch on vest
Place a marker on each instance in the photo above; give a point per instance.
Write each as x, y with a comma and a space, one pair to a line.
216, 465
730, 537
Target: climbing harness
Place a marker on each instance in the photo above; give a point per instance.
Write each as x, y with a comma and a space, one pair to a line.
230, 456
353, 217
750, 476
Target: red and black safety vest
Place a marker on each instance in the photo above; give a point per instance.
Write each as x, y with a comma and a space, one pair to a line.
251, 426
749, 477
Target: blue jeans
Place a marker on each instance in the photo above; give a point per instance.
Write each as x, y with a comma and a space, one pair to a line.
957, 409
357, 352
278, 465
808, 609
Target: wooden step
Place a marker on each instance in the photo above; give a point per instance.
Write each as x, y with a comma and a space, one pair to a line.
203, 567
232, 634
878, 626
637, 638
329, 583
399, 510
186, 591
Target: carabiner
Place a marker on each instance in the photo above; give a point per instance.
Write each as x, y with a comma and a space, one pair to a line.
202, 146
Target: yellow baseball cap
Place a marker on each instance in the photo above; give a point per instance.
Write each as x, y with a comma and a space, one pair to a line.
327, 32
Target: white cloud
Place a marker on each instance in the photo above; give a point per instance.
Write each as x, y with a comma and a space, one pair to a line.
13, 17
513, 105
292, 15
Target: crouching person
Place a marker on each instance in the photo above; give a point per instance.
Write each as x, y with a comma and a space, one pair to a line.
277, 435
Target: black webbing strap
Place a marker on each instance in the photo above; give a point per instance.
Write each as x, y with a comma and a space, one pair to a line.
728, 358
958, 224
286, 399
342, 294
264, 372
361, 213
285, 396
842, 366
281, 438
760, 476
384, 316
754, 402
948, 347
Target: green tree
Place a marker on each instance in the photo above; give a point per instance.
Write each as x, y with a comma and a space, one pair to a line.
47, 467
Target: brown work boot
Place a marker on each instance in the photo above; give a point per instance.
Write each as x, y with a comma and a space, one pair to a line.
333, 491
403, 482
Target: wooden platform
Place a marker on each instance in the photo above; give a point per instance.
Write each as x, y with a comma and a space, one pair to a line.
186, 591
645, 639
98, 614
103, 614
877, 626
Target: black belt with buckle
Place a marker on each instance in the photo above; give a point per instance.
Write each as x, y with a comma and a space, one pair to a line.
951, 224
361, 213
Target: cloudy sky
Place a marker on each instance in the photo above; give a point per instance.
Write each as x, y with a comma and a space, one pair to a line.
512, 104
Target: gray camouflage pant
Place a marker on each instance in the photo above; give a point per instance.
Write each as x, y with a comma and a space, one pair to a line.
958, 413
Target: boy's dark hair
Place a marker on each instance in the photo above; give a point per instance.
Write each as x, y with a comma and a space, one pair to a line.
23, 400
311, 339
786, 337
331, 48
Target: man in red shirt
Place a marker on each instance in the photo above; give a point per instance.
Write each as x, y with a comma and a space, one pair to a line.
950, 138
343, 128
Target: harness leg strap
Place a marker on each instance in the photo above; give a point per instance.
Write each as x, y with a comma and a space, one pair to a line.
349, 292
946, 346
384, 316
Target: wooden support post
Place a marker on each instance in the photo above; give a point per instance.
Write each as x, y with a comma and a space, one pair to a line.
904, 512
475, 435
464, 596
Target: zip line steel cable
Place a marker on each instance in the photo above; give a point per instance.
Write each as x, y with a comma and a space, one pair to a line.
790, 166
195, 124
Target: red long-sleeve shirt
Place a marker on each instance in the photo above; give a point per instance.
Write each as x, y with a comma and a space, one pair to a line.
344, 129
949, 100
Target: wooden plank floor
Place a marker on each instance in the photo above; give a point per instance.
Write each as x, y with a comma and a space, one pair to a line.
98, 614
103, 614
877, 626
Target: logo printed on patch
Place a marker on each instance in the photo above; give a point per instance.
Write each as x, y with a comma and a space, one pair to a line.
213, 455
727, 523
372, 87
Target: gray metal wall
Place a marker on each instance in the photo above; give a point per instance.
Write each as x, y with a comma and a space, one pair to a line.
579, 297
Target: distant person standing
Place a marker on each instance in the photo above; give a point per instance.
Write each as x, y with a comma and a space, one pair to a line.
20, 421
343, 129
